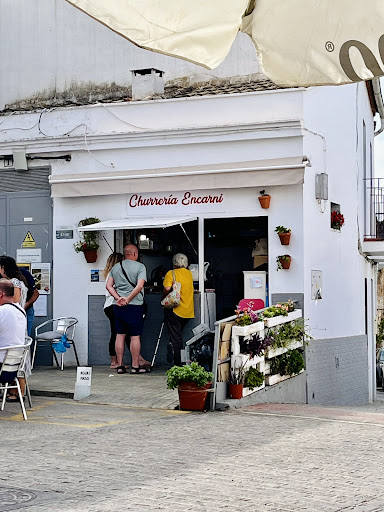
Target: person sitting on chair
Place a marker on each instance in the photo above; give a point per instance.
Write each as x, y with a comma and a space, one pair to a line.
13, 324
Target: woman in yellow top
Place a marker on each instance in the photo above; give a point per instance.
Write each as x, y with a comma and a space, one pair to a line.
177, 318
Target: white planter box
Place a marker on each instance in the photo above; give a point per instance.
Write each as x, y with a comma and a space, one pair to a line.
246, 330
274, 352
277, 320
240, 359
270, 380
248, 391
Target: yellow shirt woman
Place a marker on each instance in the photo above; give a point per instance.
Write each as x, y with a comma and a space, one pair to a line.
183, 276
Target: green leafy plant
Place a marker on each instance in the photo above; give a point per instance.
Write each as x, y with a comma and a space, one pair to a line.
282, 229
280, 259
262, 193
276, 310
189, 373
90, 239
284, 334
290, 363
253, 378
245, 316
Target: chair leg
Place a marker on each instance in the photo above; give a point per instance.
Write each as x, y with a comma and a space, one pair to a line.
4, 396
33, 356
62, 362
74, 348
54, 354
28, 391
21, 398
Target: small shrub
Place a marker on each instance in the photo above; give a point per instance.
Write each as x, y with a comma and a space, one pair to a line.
253, 379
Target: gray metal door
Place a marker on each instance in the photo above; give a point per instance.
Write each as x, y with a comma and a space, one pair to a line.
20, 213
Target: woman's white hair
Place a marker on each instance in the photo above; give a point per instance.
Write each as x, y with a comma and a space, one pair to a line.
180, 261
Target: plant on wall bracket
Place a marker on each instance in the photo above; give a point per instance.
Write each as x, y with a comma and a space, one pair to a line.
89, 242
283, 261
337, 220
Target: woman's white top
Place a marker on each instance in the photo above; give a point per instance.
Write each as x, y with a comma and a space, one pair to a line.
23, 290
108, 297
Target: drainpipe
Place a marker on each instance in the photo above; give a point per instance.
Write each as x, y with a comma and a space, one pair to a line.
379, 103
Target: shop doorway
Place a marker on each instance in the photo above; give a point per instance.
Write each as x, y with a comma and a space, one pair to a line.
229, 250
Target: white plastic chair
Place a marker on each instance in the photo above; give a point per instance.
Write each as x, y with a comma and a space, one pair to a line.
60, 326
15, 361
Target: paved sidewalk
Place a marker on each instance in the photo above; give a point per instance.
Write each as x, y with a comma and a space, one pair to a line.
147, 390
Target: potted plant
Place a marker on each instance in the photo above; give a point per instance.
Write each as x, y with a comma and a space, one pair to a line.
283, 261
337, 220
284, 234
193, 382
254, 378
90, 240
236, 380
264, 199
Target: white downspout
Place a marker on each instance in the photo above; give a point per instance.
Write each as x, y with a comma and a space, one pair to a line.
379, 103
201, 268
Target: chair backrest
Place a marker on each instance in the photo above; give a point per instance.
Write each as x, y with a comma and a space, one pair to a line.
255, 304
15, 356
68, 326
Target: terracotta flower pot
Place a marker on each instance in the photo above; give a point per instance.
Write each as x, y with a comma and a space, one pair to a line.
284, 238
286, 263
264, 201
91, 256
192, 397
236, 391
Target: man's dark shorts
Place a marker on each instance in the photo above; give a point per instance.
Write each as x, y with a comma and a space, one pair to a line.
129, 319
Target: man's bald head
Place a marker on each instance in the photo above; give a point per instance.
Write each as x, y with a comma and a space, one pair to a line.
6, 291
131, 252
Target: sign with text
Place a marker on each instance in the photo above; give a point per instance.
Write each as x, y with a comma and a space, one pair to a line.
83, 382
28, 255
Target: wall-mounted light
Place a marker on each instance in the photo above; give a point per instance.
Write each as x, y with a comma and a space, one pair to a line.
321, 186
20, 160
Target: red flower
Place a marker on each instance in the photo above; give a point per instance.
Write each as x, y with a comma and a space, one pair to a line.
337, 220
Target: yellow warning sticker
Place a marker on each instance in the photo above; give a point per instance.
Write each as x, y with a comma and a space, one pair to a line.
29, 240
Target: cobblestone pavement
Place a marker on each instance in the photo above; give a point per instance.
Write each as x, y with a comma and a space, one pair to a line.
83, 457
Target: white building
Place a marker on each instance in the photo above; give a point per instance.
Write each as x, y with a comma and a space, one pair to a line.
229, 139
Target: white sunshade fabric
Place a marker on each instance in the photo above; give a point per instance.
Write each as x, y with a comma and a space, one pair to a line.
298, 42
138, 223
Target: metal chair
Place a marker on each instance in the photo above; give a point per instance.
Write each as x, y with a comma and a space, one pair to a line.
255, 304
60, 326
15, 361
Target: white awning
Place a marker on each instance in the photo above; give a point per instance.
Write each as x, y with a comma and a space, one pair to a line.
258, 173
138, 223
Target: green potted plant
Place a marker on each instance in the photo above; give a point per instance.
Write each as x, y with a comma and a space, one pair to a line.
264, 199
192, 382
236, 380
284, 234
254, 378
89, 242
283, 261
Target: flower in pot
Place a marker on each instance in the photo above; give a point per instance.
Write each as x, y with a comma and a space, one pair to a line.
193, 382
337, 220
283, 262
264, 199
90, 240
245, 316
284, 234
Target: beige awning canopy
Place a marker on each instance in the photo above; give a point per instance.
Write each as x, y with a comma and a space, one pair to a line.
299, 42
139, 223
262, 173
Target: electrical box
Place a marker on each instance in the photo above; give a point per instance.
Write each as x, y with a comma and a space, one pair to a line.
316, 284
321, 186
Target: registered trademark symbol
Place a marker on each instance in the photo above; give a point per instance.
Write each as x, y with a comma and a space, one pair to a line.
329, 46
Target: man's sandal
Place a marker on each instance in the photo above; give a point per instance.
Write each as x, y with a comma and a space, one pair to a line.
139, 370
121, 369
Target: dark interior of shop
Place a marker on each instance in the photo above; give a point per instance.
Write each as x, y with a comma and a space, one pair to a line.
229, 244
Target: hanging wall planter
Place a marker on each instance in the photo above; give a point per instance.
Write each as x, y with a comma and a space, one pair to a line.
91, 255
283, 262
284, 234
264, 199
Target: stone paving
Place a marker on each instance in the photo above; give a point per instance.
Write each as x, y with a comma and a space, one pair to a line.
148, 390
94, 458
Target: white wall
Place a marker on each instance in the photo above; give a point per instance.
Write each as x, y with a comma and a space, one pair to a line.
48, 47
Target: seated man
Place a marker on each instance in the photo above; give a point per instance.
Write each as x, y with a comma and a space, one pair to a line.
13, 321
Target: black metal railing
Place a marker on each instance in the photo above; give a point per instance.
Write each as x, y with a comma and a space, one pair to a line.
374, 209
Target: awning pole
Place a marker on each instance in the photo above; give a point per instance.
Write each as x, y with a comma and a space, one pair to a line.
201, 268
189, 240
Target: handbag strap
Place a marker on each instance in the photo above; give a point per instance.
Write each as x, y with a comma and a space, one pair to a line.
127, 278
17, 307
174, 277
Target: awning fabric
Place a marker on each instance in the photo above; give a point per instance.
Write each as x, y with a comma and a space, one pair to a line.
281, 171
299, 42
138, 223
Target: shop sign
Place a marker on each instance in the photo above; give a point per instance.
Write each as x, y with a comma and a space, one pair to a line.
184, 199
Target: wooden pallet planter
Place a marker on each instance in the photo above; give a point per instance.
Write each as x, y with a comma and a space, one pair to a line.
276, 320
274, 352
246, 330
271, 380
